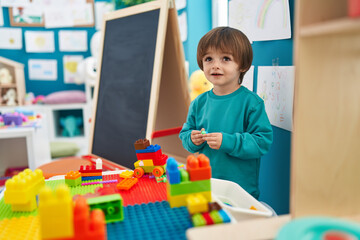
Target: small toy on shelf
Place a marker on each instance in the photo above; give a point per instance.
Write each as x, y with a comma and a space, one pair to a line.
71, 126
5, 76
150, 159
10, 97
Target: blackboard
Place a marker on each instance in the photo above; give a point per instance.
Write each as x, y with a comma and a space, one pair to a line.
132, 74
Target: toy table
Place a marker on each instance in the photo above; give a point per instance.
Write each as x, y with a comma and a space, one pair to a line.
147, 213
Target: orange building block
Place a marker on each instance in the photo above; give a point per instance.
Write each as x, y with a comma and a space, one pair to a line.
73, 175
87, 227
198, 168
127, 183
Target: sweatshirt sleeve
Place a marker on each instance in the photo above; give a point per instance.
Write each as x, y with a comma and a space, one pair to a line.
253, 143
188, 126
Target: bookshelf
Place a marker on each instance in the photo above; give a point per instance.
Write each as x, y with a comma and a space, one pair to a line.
325, 142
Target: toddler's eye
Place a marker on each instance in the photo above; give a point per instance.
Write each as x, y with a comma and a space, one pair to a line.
208, 59
226, 59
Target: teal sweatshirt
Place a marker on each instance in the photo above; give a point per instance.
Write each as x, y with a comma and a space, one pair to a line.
247, 135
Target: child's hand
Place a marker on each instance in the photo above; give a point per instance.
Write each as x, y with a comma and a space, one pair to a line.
214, 140
197, 137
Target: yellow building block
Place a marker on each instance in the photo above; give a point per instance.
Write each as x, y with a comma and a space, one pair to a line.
197, 203
127, 174
56, 212
143, 163
20, 228
21, 190
180, 200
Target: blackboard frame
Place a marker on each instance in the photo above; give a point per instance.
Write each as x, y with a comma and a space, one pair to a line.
169, 97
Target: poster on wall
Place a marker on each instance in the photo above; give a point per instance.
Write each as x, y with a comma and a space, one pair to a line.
261, 20
42, 69
14, 3
39, 41
11, 38
275, 85
73, 41
71, 63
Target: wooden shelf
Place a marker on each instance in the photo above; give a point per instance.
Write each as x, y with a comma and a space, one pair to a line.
12, 85
338, 26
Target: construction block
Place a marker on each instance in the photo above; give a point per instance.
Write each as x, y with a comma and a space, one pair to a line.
127, 174
207, 218
149, 149
197, 203
180, 200
56, 212
198, 220
224, 216
98, 164
91, 174
73, 179
184, 175
89, 169
150, 155
188, 187
91, 178
111, 205
144, 163
127, 183
160, 160
21, 190
20, 228
172, 171
73, 175
198, 168
141, 144
161, 179
87, 227
214, 206
216, 217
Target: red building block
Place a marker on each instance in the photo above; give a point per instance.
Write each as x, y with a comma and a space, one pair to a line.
198, 168
89, 169
208, 218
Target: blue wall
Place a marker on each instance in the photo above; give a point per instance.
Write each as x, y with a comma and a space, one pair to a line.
275, 165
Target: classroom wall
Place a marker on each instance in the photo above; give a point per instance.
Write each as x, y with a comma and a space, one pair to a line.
40, 87
275, 165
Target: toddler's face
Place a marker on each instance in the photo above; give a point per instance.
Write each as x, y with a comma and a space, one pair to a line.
221, 69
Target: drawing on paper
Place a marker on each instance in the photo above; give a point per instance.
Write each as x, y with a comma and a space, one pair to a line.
276, 88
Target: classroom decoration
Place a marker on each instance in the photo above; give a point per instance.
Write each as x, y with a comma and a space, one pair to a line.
261, 20
142, 85
198, 84
276, 88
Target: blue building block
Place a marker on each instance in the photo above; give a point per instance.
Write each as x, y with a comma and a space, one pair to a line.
172, 171
151, 221
91, 178
225, 217
149, 149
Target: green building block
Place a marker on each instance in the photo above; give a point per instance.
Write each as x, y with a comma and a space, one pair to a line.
216, 217
189, 187
73, 182
111, 205
198, 220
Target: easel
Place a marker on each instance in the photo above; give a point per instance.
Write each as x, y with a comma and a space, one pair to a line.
169, 97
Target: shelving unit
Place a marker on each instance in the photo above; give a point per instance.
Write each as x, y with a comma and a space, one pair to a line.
326, 133
16, 71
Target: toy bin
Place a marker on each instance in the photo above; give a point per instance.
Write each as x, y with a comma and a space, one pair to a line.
237, 201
